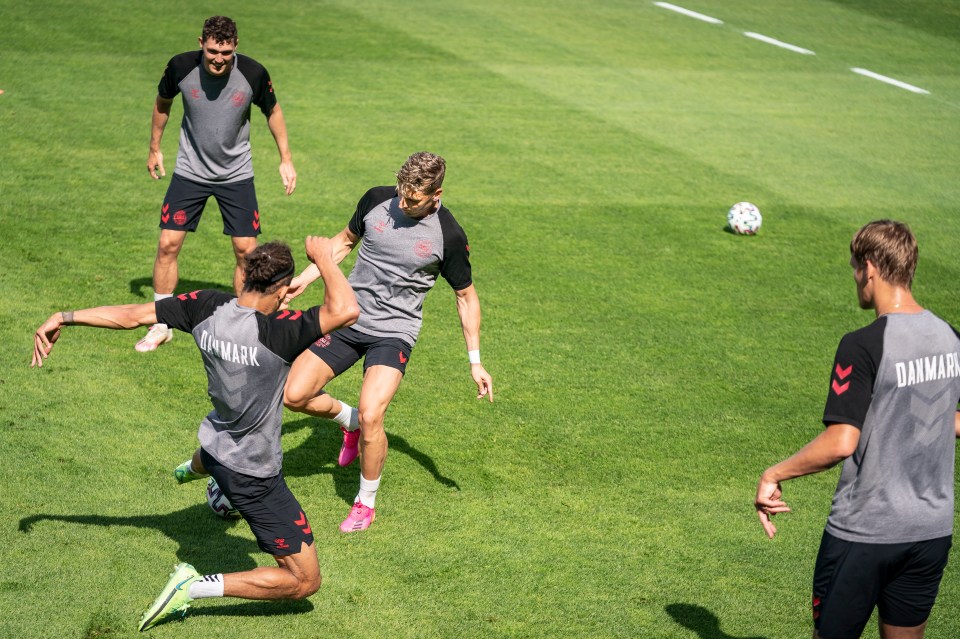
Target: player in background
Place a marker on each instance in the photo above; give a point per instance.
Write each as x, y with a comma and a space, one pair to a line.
408, 239
891, 417
247, 347
218, 87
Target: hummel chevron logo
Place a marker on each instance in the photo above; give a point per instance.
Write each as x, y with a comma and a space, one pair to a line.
842, 373
302, 522
840, 389
289, 315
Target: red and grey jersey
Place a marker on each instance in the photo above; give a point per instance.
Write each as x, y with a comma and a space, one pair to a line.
399, 261
898, 381
247, 357
215, 133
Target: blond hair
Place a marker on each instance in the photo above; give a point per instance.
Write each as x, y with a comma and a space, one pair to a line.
891, 248
422, 173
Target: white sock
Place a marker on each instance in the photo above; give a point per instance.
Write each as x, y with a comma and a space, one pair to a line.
161, 296
348, 417
208, 586
368, 491
192, 469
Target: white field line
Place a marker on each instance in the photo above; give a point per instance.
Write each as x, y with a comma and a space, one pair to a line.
896, 83
778, 43
688, 12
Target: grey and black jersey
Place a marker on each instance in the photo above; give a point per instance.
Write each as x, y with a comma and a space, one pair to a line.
399, 260
215, 133
247, 357
898, 381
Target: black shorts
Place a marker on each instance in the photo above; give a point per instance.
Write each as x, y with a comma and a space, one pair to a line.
185, 199
341, 349
850, 578
274, 514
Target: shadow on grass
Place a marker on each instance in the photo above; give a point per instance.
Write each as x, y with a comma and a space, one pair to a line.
202, 536
143, 286
701, 621
317, 455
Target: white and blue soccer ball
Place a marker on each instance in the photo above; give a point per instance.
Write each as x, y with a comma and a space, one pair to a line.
744, 218
219, 503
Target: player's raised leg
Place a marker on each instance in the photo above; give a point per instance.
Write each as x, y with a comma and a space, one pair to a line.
303, 393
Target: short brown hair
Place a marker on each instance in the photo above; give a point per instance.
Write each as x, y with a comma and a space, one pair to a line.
891, 248
220, 28
268, 267
422, 173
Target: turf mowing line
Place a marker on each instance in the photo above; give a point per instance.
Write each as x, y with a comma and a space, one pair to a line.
688, 12
896, 83
778, 43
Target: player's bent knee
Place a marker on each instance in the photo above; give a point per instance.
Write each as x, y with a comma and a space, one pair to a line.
307, 587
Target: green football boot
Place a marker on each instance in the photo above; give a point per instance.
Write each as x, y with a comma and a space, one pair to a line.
174, 599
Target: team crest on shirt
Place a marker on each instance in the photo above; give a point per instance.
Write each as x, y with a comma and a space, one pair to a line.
423, 248
195, 94
324, 341
238, 99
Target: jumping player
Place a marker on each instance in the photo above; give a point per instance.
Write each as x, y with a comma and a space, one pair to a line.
247, 348
408, 239
218, 87
891, 417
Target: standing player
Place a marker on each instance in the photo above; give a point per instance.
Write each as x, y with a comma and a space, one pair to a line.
409, 238
891, 413
218, 87
247, 348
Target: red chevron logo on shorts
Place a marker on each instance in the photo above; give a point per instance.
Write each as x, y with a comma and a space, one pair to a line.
183, 296
403, 360
842, 373
302, 522
163, 212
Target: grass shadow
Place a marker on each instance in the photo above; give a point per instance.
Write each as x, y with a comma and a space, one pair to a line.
143, 286
200, 534
701, 621
317, 455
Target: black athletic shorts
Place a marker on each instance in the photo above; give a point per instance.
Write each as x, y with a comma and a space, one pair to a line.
274, 514
341, 350
850, 578
184, 202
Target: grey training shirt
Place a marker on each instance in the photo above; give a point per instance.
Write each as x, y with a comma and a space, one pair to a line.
215, 133
898, 381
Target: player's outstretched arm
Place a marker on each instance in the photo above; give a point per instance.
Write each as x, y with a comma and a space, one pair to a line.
117, 317
468, 308
278, 128
834, 444
161, 113
339, 302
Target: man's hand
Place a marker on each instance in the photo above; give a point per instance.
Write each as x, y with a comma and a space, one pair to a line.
155, 165
318, 248
44, 339
289, 176
768, 503
483, 380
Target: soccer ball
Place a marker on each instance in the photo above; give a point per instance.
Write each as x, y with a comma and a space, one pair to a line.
744, 218
219, 503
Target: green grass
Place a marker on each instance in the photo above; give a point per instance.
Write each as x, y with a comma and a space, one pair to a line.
647, 365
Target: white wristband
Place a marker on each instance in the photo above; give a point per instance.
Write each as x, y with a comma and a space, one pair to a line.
474, 356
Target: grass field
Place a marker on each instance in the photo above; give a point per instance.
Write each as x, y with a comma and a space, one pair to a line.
647, 365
